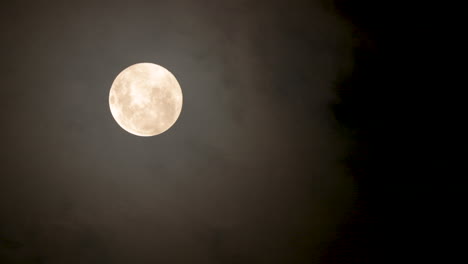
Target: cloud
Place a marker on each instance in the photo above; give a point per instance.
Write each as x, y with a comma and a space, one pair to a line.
250, 173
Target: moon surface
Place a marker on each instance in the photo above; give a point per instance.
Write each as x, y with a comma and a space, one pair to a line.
145, 99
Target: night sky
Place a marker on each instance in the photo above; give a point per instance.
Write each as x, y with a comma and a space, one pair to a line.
270, 161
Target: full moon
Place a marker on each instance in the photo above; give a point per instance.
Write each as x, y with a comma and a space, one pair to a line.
145, 99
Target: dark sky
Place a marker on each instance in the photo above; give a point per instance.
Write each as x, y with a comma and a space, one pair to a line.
254, 171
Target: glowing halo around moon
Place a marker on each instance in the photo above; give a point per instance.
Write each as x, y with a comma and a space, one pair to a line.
145, 99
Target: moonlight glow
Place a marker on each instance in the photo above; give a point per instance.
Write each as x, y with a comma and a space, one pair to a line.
145, 99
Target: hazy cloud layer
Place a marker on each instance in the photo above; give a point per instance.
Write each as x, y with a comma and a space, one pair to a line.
251, 171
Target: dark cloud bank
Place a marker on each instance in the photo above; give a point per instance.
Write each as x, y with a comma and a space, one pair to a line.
253, 171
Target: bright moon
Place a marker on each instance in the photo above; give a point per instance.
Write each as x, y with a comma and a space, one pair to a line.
145, 99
